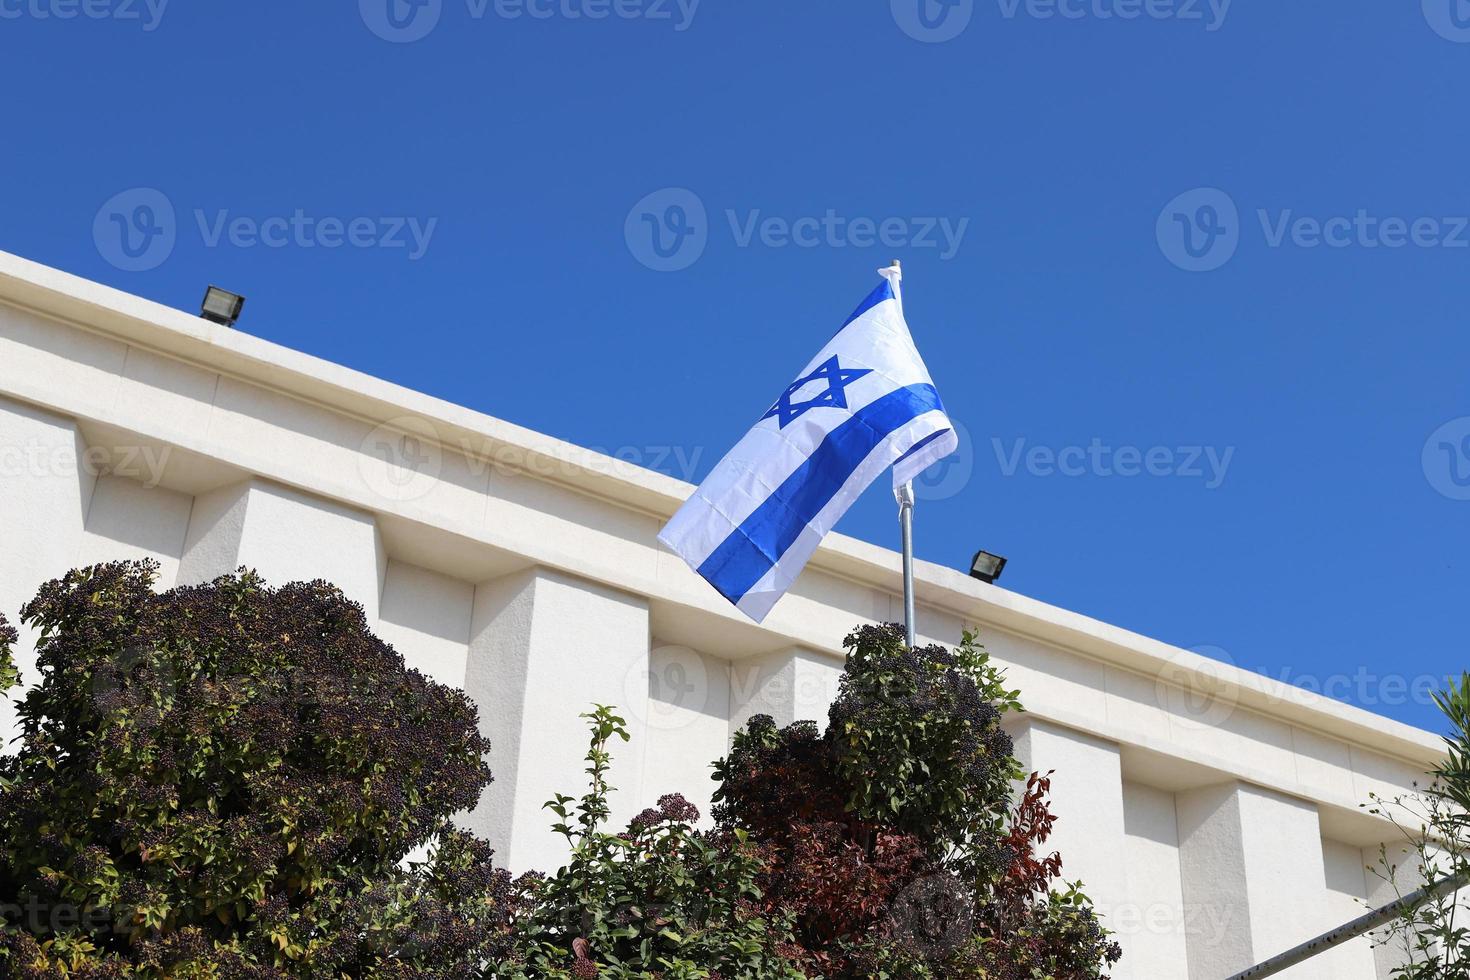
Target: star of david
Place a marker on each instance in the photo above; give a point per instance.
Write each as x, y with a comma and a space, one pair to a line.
785, 411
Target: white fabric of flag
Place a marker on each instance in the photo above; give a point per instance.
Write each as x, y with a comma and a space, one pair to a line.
865, 403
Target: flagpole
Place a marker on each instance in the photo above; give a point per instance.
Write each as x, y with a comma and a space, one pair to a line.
905, 495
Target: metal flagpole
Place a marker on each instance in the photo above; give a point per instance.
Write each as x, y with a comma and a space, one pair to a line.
905, 495
1353, 929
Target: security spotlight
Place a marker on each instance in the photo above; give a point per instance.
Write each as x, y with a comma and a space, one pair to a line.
222, 306
987, 567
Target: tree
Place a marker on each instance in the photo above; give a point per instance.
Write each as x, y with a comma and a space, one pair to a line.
225, 780
888, 847
892, 837
1433, 939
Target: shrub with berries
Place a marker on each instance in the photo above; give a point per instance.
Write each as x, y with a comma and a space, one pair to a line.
891, 836
224, 781
659, 900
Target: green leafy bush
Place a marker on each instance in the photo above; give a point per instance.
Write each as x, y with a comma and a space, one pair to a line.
892, 837
659, 900
918, 742
9, 676
224, 780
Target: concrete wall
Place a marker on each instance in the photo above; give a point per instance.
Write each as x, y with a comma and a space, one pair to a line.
1213, 815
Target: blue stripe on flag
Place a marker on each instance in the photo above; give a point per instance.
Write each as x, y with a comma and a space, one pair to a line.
921, 443
883, 293
757, 545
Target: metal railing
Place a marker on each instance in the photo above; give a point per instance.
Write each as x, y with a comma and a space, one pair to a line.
1353, 929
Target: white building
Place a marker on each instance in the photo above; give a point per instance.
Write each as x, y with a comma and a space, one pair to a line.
1213, 814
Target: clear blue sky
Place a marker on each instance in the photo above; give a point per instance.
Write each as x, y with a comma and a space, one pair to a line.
1325, 542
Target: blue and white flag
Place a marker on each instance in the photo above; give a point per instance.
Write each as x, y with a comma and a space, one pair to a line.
864, 403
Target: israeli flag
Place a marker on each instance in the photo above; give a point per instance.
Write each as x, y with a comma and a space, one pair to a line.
864, 404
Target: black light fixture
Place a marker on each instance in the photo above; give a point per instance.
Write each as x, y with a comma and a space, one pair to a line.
987, 567
222, 306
